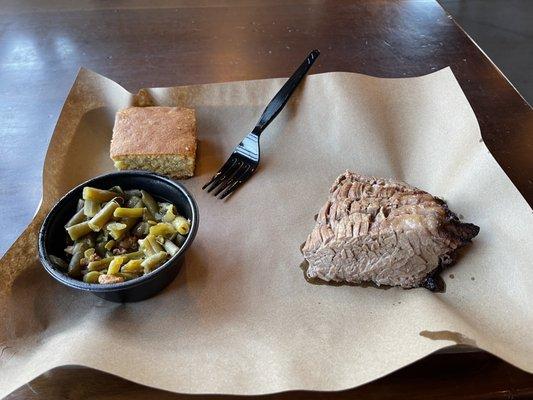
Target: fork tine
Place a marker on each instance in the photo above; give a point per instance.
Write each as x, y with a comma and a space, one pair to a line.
236, 183
215, 180
226, 175
230, 178
222, 169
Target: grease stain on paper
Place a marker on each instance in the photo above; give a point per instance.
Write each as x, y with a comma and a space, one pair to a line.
452, 336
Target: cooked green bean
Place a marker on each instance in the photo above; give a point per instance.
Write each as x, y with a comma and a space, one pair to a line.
89, 252
98, 195
132, 267
179, 239
148, 217
116, 229
89, 239
91, 277
77, 231
134, 255
153, 242
109, 245
163, 229
124, 212
115, 264
90, 208
134, 200
149, 202
97, 222
182, 225
74, 266
80, 204
100, 248
99, 264
170, 247
141, 229
154, 261
117, 189
76, 219
146, 247
129, 222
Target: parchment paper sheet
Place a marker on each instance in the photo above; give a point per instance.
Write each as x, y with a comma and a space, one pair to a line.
240, 318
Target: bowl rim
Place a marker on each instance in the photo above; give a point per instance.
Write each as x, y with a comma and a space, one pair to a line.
44, 257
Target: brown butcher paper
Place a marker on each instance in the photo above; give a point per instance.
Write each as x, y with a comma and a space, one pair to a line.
240, 317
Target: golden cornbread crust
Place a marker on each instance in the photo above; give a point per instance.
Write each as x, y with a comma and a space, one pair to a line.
155, 134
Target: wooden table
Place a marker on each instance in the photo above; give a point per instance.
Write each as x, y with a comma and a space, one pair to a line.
167, 43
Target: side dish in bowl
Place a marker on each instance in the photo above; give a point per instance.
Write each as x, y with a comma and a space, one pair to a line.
120, 236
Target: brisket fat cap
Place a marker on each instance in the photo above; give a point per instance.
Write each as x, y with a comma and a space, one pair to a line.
382, 231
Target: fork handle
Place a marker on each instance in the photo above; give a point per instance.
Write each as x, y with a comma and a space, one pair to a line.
281, 98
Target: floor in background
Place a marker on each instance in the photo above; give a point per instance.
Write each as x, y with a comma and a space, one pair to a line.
504, 30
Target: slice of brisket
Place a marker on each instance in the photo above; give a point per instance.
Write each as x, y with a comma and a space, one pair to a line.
382, 231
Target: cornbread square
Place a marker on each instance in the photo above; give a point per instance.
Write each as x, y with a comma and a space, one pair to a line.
158, 139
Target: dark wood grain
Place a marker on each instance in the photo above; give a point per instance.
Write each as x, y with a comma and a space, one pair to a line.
167, 43
477, 376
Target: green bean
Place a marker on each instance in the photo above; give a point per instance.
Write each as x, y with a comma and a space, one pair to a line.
129, 222
114, 265
59, 262
100, 248
90, 208
133, 200
97, 195
149, 202
76, 219
146, 247
134, 255
104, 262
170, 247
80, 246
148, 216
109, 245
77, 231
116, 229
153, 242
179, 239
97, 222
123, 212
89, 252
80, 204
91, 277
170, 215
132, 267
141, 229
154, 261
162, 229
99, 264
74, 266
117, 189
182, 225
89, 239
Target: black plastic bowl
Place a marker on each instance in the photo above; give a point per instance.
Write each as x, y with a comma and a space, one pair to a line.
52, 234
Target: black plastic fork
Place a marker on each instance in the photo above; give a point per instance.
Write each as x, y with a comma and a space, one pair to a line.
245, 157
